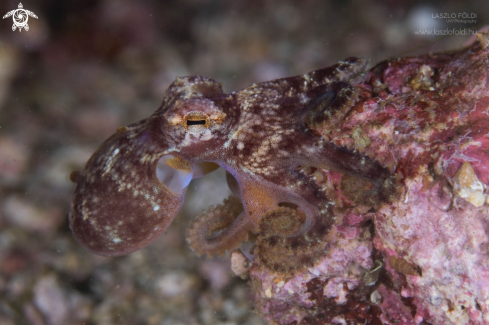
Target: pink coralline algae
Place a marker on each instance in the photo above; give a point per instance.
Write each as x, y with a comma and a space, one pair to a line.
365, 191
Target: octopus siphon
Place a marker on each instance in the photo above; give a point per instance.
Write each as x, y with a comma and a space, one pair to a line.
134, 184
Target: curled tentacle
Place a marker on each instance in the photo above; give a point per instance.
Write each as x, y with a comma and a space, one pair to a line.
289, 254
227, 218
281, 222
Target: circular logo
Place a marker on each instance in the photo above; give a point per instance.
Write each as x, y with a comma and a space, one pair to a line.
20, 18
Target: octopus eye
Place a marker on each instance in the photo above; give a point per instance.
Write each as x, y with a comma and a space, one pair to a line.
196, 121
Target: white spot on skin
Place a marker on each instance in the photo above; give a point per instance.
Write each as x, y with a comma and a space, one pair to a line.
116, 240
199, 134
304, 99
176, 119
240, 146
186, 140
206, 135
156, 208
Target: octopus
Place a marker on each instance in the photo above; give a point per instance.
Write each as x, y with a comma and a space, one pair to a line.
263, 136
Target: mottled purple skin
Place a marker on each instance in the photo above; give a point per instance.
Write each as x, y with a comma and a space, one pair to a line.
422, 118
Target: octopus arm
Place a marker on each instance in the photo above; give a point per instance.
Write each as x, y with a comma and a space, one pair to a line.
331, 157
228, 221
351, 70
261, 196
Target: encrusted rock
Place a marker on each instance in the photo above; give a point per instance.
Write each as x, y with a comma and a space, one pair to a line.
240, 265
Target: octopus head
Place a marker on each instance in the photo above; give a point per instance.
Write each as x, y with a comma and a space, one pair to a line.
134, 184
